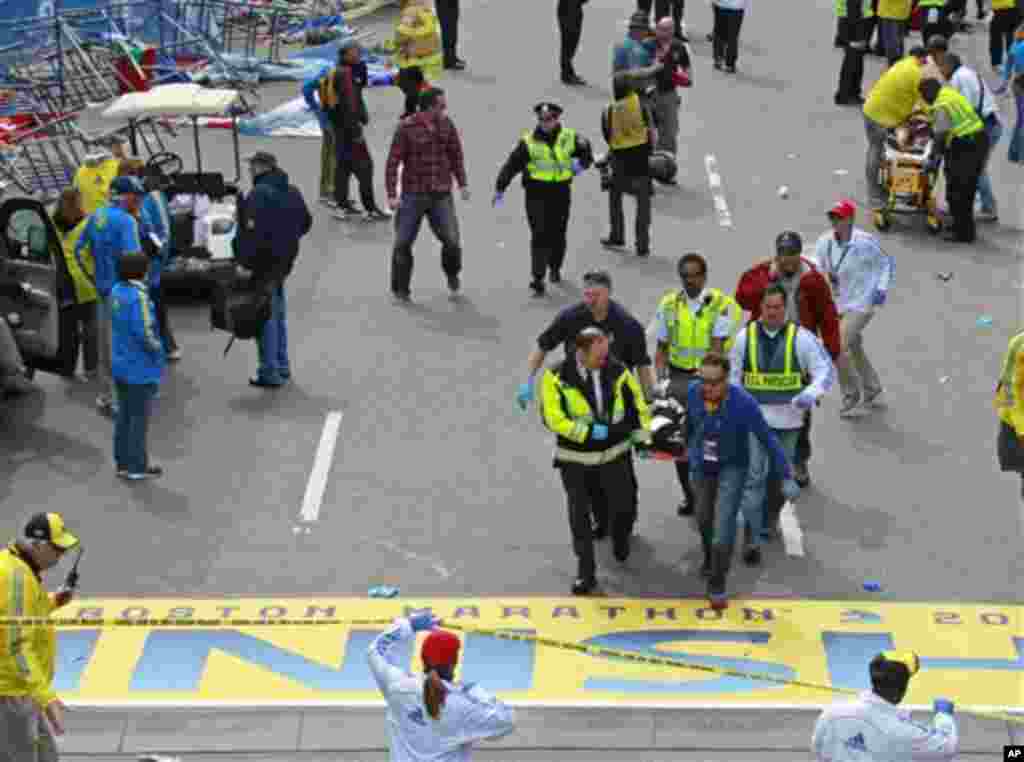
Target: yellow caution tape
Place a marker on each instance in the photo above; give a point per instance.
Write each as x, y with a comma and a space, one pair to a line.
611, 653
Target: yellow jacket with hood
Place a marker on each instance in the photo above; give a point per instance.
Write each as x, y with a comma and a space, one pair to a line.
418, 40
28, 652
1009, 401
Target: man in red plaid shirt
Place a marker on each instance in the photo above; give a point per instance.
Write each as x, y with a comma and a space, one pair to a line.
429, 149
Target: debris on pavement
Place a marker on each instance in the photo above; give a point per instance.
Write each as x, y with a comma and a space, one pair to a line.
945, 277
873, 587
383, 591
985, 321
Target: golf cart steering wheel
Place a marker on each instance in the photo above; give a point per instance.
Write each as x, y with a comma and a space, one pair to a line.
166, 163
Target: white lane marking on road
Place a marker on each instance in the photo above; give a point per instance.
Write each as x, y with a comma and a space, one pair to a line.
792, 534
715, 181
317, 484
409, 555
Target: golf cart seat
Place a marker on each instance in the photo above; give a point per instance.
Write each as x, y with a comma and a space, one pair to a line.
202, 183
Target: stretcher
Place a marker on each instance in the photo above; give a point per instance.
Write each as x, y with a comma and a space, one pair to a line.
908, 175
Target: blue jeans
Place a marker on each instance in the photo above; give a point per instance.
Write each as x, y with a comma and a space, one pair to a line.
755, 517
274, 367
130, 424
985, 198
718, 503
439, 209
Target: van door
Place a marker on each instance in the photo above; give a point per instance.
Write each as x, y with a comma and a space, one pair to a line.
31, 256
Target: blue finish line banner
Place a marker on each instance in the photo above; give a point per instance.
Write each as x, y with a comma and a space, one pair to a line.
972, 652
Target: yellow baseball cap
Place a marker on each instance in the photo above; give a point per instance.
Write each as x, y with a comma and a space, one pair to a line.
49, 527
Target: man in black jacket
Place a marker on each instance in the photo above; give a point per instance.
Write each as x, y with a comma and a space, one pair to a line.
348, 115
272, 218
548, 158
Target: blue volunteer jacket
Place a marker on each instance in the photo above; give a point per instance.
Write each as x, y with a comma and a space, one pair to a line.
138, 354
110, 233
737, 418
154, 217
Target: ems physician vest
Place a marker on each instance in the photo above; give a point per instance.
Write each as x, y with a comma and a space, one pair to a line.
689, 335
1008, 402
626, 123
964, 118
551, 164
771, 370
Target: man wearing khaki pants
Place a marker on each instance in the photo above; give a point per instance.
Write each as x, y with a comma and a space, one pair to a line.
860, 274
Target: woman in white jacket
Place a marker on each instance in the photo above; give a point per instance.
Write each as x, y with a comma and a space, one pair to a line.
726, 35
430, 716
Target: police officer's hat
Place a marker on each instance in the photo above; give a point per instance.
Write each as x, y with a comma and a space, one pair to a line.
547, 108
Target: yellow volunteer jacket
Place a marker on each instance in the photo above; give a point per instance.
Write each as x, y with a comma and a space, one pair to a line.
29, 651
898, 10
1009, 402
893, 98
94, 183
566, 411
84, 282
418, 41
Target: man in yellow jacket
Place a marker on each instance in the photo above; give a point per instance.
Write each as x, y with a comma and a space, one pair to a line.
30, 712
1009, 405
596, 409
890, 103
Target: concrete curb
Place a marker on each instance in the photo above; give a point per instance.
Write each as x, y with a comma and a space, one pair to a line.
362, 728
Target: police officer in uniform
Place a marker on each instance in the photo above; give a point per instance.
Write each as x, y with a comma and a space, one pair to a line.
596, 409
549, 158
691, 322
963, 143
854, 22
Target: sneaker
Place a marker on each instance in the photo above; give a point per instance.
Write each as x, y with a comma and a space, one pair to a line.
800, 474
583, 586
346, 211
984, 216
685, 508
555, 276
851, 408
454, 284
130, 476
718, 64
752, 555
152, 472
643, 252
537, 289
264, 383
402, 297
613, 243
875, 400
330, 203
730, 68
377, 215
174, 355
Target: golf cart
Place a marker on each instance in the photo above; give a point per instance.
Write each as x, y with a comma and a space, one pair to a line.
202, 203
33, 282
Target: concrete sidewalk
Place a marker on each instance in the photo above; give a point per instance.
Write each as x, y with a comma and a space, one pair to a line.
346, 734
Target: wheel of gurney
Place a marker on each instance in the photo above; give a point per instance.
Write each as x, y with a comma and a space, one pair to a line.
882, 220
934, 224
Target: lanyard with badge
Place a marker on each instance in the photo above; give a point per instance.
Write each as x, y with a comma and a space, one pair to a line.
833, 268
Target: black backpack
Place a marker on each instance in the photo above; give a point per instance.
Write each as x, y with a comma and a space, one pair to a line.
241, 309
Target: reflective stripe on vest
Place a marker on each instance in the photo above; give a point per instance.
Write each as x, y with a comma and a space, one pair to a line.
770, 385
932, 4
598, 458
867, 12
626, 126
964, 118
551, 164
689, 335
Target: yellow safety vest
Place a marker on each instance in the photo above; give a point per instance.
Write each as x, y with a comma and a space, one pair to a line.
328, 92
564, 410
418, 41
83, 281
898, 10
867, 12
1009, 401
690, 335
626, 125
28, 652
961, 113
1003, 5
94, 183
771, 384
551, 164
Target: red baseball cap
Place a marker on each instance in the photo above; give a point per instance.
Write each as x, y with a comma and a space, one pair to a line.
440, 649
843, 209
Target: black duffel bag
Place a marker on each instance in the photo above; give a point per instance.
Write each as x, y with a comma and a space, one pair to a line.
241, 308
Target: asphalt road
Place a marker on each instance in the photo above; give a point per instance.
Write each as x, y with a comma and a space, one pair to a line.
439, 484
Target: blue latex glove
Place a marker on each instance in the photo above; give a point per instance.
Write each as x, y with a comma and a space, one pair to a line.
804, 400
499, 199
423, 622
599, 432
790, 489
878, 298
525, 395
577, 166
945, 706
321, 117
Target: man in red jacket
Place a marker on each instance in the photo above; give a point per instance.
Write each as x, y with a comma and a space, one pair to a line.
810, 305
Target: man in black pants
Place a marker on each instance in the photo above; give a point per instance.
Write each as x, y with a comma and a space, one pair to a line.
726, 38
851, 73
570, 26
448, 16
663, 8
548, 158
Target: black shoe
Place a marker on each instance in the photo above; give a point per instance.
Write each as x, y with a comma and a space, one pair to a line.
643, 252
718, 64
454, 284
752, 555
613, 243
685, 507
850, 100
537, 287
257, 381
455, 65
730, 68
401, 296
621, 549
581, 586
801, 475
710, 37
574, 80
555, 276
599, 532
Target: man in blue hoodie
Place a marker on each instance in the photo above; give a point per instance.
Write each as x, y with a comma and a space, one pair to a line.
721, 417
272, 218
311, 89
112, 232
